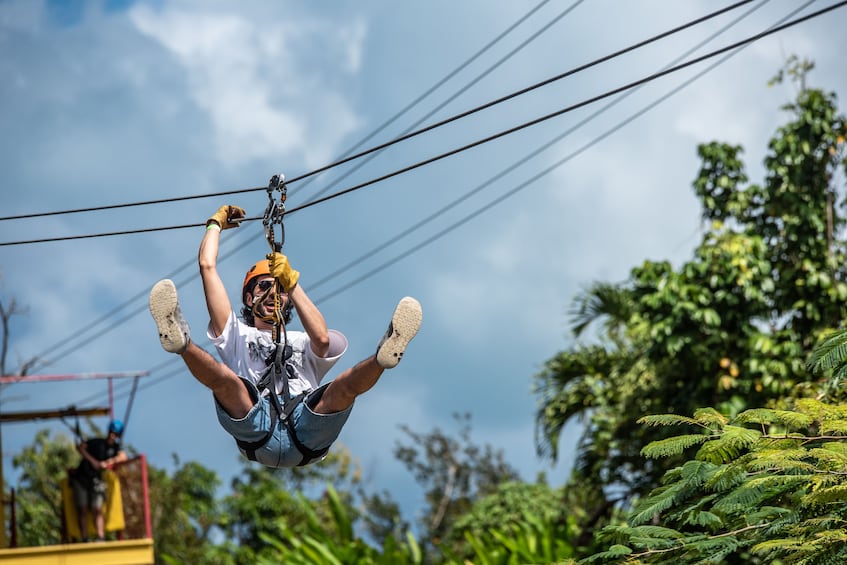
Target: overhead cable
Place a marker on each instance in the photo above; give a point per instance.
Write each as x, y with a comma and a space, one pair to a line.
393, 141
525, 159
502, 198
487, 139
81, 334
453, 97
447, 77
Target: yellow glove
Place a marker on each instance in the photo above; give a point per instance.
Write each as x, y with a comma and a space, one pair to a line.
227, 217
281, 270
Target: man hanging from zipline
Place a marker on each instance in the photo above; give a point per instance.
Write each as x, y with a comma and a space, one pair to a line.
268, 392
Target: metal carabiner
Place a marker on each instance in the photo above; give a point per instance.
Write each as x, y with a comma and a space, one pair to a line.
275, 212
274, 215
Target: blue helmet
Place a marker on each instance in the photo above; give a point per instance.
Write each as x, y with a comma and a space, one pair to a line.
117, 427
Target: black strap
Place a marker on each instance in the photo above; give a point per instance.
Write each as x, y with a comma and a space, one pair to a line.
309, 455
250, 447
281, 410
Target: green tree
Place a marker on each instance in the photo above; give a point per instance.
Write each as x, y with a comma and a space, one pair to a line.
517, 522
38, 496
730, 328
269, 503
381, 517
767, 486
530, 541
331, 540
184, 511
453, 472
516, 534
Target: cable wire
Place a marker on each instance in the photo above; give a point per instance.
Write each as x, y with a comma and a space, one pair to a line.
489, 138
454, 96
502, 173
81, 333
491, 204
386, 144
446, 78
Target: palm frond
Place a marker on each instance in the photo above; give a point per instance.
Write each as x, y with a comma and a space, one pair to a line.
666, 420
598, 301
831, 353
672, 445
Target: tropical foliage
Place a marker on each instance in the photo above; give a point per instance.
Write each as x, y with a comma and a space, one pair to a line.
732, 328
765, 486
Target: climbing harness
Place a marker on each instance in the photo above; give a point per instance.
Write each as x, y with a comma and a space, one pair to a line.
278, 368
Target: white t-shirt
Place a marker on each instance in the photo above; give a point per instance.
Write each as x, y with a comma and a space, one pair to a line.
245, 349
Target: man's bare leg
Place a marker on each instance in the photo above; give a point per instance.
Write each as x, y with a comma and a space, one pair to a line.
100, 523
360, 378
344, 389
174, 336
228, 389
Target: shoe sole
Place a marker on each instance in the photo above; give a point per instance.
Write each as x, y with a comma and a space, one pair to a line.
404, 326
163, 305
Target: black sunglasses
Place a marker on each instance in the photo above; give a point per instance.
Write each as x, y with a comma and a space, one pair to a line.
264, 285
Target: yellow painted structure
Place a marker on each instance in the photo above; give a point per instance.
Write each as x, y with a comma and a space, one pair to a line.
127, 552
113, 510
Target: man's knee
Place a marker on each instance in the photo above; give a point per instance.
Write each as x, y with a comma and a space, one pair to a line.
337, 396
236, 397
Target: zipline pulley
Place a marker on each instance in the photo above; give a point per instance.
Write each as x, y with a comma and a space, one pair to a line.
275, 211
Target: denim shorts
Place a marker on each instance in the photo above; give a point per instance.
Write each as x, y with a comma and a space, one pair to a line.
315, 431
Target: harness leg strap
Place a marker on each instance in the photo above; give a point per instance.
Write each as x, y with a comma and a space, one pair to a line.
282, 410
309, 455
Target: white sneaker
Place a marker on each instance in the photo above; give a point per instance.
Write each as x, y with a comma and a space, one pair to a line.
164, 306
404, 325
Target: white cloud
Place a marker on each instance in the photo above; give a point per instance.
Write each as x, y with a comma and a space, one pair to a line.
353, 37
252, 86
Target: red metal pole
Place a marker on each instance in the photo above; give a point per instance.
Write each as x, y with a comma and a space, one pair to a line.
111, 401
148, 523
13, 525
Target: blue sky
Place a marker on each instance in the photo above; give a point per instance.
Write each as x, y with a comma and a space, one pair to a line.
118, 101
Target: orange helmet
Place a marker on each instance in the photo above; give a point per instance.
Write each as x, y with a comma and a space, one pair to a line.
257, 270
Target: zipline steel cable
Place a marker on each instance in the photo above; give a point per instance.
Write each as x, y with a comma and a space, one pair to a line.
487, 139
521, 186
503, 172
452, 97
396, 140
